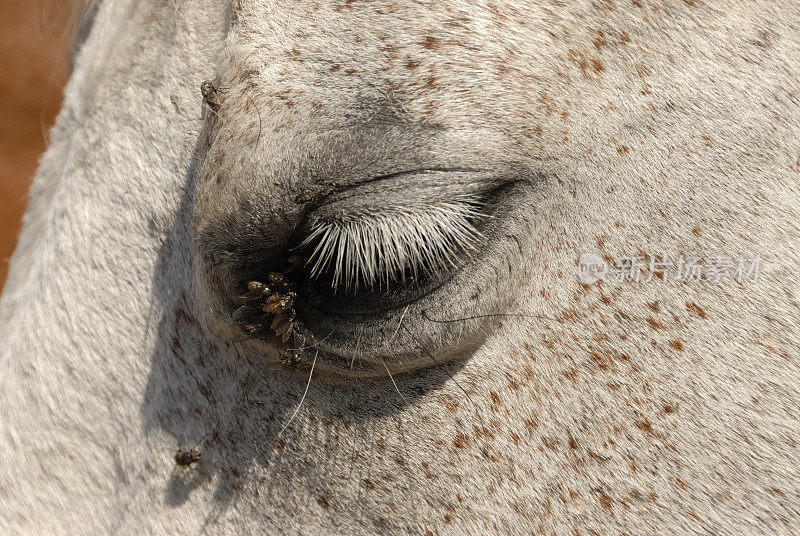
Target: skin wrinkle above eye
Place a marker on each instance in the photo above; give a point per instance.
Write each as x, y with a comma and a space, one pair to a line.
427, 185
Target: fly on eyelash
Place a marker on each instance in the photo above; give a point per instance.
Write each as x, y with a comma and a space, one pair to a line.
394, 244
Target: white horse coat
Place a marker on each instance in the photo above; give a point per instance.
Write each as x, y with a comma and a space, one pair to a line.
643, 128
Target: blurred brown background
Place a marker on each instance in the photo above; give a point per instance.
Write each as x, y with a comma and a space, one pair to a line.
35, 37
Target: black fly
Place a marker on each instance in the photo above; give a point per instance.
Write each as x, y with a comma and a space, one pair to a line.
210, 95
185, 458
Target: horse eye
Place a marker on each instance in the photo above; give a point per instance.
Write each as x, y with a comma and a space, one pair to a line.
381, 268
387, 274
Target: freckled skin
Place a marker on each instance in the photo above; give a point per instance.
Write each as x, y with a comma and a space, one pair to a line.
655, 127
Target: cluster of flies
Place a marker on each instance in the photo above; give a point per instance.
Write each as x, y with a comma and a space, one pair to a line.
266, 310
269, 309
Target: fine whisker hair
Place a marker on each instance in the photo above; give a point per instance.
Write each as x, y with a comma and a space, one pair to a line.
427, 317
358, 343
397, 243
394, 383
399, 324
313, 346
494, 315
397, 329
300, 404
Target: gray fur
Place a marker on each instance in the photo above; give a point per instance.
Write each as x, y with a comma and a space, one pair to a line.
650, 408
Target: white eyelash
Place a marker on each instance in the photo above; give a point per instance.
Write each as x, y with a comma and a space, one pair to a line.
381, 247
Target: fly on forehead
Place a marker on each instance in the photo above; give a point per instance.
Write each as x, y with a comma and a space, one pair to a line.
186, 458
211, 95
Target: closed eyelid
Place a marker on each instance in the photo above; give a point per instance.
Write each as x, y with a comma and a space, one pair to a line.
385, 245
398, 227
